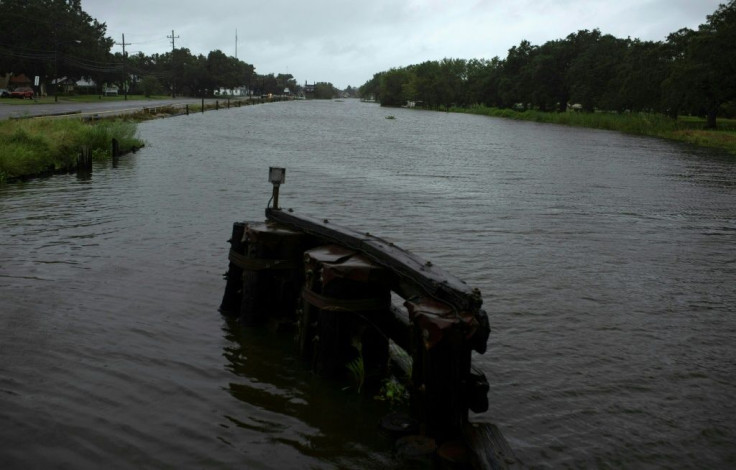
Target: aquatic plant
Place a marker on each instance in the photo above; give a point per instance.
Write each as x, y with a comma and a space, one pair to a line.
357, 366
393, 392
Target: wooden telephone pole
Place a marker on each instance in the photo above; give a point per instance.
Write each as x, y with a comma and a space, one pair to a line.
125, 75
173, 47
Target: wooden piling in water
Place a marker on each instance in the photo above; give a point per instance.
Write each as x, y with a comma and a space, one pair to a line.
441, 367
272, 272
232, 299
343, 296
337, 284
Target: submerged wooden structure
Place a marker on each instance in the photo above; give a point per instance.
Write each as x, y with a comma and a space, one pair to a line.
351, 296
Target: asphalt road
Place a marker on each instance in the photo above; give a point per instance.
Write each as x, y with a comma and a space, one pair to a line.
9, 109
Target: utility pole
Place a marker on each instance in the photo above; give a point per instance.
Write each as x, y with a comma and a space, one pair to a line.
125, 76
173, 38
55, 82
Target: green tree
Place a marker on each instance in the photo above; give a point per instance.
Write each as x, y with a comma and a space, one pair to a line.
514, 85
372, 88
592, 72
150, 86
52, 39
324, 91
483, 78
392, 87
640, 75
704, 66
548, 77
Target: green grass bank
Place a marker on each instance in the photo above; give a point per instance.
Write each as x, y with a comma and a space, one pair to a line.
33, 147
45, 145
685, 129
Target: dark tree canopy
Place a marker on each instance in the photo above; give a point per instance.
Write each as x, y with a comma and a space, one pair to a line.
56, 39
691, 72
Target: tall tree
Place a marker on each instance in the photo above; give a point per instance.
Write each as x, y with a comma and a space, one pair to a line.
705, 69
53, 38
392, 87
514, 86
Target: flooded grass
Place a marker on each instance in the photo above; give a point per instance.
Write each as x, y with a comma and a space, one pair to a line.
38, 146
685, 129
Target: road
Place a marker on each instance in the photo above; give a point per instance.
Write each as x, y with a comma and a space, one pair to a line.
10, 110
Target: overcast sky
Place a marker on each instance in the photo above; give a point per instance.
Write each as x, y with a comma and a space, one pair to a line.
345, 42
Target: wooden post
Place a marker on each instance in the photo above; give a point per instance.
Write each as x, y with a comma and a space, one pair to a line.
345, 296
441, 368
84, 160
187, 108
272, 272
234, 289
217, 105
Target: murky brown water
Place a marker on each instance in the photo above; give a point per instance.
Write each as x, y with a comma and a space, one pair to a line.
607, 265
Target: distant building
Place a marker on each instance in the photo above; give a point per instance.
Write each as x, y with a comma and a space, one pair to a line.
20, 80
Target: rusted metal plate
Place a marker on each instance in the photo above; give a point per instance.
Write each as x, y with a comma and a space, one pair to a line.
329, 254
270, 233
337, 262
436, 318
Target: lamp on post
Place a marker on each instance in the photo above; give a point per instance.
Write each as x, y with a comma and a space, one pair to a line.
276, 176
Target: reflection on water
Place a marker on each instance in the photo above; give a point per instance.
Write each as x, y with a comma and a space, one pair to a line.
605, 261
326, 420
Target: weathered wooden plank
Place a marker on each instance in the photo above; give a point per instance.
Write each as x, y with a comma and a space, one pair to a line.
436, 282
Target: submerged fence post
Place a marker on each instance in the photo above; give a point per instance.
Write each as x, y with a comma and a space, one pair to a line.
203, 105
84, 160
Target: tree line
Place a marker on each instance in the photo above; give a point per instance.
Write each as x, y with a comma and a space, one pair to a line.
692, 72
56, 39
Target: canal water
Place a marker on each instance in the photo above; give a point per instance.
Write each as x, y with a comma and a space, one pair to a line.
607, 265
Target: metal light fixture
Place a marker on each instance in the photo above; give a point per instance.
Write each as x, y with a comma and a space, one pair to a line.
276, 176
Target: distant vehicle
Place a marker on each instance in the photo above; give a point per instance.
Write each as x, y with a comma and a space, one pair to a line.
111, 91
4, 93
22, 92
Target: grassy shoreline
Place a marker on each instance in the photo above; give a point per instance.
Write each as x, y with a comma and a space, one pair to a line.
37, 146
34, 147
685, 129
